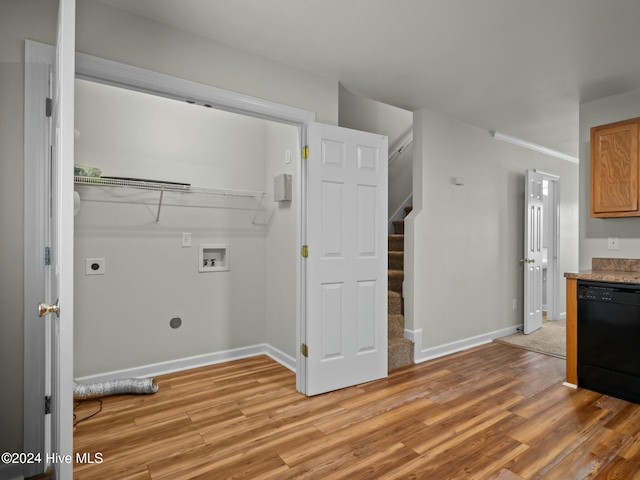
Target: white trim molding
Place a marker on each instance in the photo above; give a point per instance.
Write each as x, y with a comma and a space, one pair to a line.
533, 146
416, 337
422, 355
118, 74
187, 363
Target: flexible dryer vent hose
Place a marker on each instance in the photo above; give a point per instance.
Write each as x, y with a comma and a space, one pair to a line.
114, 387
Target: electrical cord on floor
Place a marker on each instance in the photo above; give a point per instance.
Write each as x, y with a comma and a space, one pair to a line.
90, 416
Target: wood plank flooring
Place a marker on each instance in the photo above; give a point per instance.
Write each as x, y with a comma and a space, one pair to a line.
494, 412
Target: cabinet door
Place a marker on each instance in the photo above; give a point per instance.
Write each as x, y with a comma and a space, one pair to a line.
614, 169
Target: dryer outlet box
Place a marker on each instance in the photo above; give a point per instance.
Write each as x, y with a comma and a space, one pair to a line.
95, 266
282, 188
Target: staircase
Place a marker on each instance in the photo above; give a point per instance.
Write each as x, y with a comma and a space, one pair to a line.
400, 349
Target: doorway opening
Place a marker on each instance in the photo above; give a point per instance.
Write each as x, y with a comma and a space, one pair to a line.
163, 184
550, 246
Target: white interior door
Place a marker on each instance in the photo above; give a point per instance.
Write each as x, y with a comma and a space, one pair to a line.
532, 260
61, 276
346, 314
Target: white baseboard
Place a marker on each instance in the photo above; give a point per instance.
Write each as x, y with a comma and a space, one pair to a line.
562, 316
11, 472
177, 365
282, 358
570, 385
416, 337
422, 355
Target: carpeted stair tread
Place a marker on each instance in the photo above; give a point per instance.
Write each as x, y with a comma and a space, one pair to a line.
396, 326
396, 261
396, 243
398, 227
395, 278
400, 353
394, 303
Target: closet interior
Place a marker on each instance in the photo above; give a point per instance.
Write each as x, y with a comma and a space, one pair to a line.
182, 247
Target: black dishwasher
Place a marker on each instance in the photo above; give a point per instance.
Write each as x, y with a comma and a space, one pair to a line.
609, 338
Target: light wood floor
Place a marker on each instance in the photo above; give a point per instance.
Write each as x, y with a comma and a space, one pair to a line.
492, 412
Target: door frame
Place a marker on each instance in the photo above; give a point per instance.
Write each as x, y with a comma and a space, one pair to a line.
147, 81
134, 78
117, 74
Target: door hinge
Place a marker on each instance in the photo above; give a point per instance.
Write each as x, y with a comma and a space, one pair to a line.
304, 350
47, 405
305, 251
47, 256
305, 152
48, 107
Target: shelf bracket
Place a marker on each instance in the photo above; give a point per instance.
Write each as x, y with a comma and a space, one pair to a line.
258, 211
159, 206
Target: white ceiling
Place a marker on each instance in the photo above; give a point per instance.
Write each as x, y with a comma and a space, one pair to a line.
518, 66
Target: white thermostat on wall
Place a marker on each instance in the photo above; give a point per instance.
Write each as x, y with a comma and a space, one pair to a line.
282, 188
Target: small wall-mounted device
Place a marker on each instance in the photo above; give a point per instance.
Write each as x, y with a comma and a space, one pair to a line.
459, 181
282, 188
214, 258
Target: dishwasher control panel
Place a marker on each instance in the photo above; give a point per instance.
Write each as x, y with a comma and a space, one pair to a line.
590, 294
609, 292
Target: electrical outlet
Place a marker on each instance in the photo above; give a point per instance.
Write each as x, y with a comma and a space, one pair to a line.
613, 243
95, 266
186, 239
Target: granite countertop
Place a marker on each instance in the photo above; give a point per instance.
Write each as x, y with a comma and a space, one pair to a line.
619, 270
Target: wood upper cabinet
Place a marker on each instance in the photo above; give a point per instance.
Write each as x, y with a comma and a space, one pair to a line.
614, 169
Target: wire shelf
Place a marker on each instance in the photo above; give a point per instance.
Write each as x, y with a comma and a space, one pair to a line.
169, 187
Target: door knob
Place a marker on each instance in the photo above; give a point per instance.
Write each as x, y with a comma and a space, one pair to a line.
526, 260
46, 309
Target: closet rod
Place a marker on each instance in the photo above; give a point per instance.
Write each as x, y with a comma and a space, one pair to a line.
162, 187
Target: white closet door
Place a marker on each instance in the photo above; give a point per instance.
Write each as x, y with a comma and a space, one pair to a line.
346, 324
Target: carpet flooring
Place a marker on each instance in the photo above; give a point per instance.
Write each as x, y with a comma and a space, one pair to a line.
550, 339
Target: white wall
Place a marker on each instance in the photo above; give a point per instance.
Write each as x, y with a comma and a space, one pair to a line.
33, 19
11, 255
369, 115
595, 231
116, 35
466, 242
281, 242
